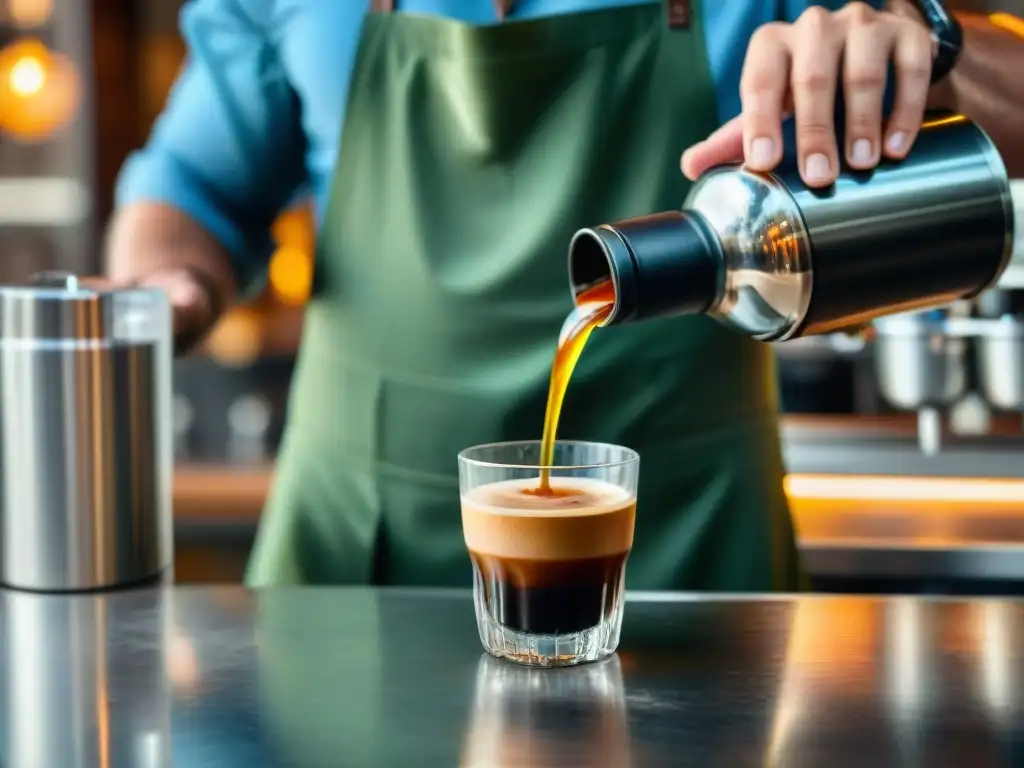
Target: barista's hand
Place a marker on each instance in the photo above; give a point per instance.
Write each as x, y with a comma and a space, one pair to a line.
797, 68
191, 306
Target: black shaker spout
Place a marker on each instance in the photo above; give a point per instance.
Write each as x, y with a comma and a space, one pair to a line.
661, 265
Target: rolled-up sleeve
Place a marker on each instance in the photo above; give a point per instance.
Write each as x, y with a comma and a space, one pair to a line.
794, 8
228, 149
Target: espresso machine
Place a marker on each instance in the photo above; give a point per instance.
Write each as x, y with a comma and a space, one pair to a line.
957, 364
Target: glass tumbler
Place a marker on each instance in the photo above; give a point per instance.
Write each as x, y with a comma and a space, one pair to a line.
549, 546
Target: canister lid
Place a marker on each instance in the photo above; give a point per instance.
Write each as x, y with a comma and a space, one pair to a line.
58, 307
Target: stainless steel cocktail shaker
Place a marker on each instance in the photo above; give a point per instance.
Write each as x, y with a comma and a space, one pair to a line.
777, 260
85, 438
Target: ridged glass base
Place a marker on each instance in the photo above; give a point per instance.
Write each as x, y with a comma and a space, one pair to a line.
535, 650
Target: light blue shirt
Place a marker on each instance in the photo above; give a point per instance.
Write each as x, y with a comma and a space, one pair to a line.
255, 118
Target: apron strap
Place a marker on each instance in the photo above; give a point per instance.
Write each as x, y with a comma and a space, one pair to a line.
503, 7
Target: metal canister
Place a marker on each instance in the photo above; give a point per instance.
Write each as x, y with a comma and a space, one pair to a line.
85, 440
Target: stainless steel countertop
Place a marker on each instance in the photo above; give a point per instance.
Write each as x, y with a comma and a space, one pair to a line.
378, 677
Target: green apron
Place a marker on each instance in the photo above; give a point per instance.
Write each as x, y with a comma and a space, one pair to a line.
469, 156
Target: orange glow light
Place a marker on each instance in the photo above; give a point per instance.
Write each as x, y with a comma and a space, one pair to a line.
294, 228
291, 275
1007, 491
27, 76
235, 341
1009, 22
290, 272
30, 13
40, 90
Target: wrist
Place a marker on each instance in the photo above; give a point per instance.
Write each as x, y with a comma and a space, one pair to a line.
942, 94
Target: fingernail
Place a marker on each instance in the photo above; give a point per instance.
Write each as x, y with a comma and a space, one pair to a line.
816, 168
181, 291
896, 143
762, 152
862, 152
184, 294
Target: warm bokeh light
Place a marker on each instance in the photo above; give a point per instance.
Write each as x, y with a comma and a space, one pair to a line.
1009, 22
28, 77
894, 511
30, 13
236, 340
876, 488
248, 331
290, 273
40, 90
294, 227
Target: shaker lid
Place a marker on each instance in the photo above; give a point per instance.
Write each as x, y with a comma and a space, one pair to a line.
59, 307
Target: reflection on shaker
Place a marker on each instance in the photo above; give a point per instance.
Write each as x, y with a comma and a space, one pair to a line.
81, 686
537, 717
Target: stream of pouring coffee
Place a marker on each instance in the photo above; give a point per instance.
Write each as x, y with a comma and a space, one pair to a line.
593, 306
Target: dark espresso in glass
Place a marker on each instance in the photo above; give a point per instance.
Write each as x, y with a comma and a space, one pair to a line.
550, 563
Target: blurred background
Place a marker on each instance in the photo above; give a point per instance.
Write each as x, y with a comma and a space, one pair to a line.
80, 86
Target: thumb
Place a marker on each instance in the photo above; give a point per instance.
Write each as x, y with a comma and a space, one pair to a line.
723, 146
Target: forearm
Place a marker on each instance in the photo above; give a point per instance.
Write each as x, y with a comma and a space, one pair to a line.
987, 85
147, 240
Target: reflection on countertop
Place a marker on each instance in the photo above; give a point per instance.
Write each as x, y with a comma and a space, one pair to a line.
389, 677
